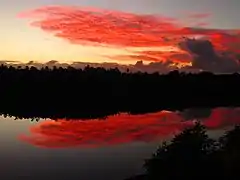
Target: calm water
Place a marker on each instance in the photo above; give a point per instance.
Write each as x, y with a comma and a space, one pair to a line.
111, 149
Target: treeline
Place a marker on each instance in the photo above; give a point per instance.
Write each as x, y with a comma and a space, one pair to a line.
193, 155
97, 92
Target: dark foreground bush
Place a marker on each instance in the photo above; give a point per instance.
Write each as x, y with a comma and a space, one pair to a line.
193, 155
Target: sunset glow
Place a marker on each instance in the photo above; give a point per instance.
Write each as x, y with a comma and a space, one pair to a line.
126, 31
120, 32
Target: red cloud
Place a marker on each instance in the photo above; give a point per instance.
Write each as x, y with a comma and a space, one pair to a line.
102, 26
89, 26
174, 56
199, 15
158, 56
121, 128
116, 129
222, 117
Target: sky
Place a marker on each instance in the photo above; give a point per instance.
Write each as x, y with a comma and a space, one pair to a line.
122, 31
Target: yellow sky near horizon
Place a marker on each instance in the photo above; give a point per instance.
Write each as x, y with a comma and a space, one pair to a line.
42, 47
29, 43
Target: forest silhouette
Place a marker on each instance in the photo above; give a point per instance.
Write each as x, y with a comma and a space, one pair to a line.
28, 92
192, 154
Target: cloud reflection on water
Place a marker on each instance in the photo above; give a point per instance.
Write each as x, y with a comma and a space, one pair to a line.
123, 128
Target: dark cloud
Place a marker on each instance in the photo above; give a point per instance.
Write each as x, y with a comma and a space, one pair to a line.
205, 57
5, 62
162, 67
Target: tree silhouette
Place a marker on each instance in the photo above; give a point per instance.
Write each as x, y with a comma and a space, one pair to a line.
230, 152
97, 92
193, 155
183, 157
230, 141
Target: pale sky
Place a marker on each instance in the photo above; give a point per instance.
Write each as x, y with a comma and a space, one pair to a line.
24, 43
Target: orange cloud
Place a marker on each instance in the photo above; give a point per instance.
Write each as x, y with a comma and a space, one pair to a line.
179, 56
79, 25
91, 26
114, 130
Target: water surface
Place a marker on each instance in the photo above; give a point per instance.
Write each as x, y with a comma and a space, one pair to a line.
109, 149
